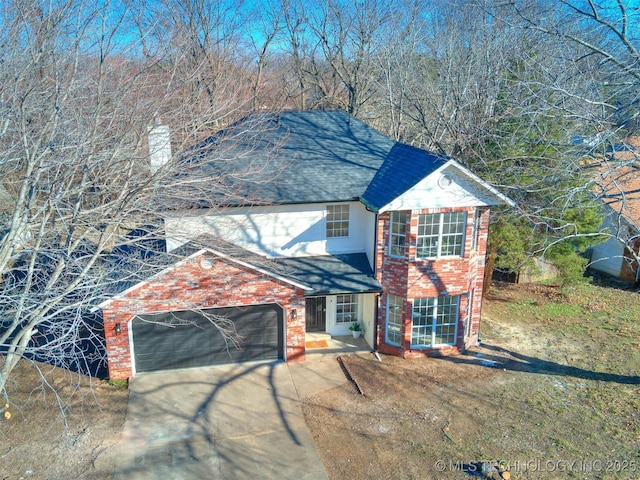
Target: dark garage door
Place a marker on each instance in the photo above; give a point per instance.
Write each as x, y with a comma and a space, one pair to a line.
184, 339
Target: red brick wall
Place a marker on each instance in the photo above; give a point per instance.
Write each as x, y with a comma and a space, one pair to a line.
189, 285
411, 278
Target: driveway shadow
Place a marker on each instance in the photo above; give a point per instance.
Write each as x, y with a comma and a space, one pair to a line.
232, 421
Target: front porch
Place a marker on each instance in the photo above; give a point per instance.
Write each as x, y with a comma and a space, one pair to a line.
321, 343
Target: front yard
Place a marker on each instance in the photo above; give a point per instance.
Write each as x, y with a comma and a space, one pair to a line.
553, 392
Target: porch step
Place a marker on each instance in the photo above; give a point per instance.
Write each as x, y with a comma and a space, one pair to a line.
320, 343
317, 337
315, 340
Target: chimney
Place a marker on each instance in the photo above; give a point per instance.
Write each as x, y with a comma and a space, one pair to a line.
159, 146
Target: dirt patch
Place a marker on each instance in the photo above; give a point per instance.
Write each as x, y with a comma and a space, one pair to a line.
410, 414
536, 396
552, 392
61, 425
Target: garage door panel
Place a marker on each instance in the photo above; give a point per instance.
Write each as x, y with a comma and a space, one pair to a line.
186, 339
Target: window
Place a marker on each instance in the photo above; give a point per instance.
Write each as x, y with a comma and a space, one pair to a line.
337, 221
346, 308
394, 320
476, 230
434, 321
440, 234
398, 234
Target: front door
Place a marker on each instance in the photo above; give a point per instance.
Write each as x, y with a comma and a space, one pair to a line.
316, 314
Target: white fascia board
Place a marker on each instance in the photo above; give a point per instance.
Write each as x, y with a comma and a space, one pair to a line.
200, 252
476, 178
423, 194
164, 271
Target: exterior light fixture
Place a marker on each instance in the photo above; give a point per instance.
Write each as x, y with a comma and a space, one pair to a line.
207, 263
118, 328
294, 314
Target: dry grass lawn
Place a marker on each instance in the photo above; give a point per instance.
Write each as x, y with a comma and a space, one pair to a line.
553, 392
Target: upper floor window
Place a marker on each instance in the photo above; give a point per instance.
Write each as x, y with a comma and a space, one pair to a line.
398, 234
346, 308
441, 234
337, 221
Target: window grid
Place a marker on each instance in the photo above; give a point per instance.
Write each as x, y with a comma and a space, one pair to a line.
346, 308
398, 234
428, 231
434, 321
337, 221
394, 320
440, 234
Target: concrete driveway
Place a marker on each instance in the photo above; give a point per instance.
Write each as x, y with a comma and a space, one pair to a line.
235, 421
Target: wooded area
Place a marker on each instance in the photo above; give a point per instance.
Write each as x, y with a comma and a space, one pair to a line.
524, 93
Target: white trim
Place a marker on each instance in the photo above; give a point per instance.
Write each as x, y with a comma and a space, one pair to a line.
365, 315
386, 321
326, 221
434, 322
440, 235
187, 259
473, 176
469, 317
421, 198
475, 230
132, 353
407, 231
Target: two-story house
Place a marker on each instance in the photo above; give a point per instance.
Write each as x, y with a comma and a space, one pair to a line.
350, 226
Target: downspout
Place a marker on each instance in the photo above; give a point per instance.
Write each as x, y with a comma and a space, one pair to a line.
375, 272
370, 207
636, 254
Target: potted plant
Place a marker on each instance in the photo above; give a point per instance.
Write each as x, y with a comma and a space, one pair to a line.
355, 329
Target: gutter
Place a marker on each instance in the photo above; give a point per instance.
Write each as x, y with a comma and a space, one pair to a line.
369, 206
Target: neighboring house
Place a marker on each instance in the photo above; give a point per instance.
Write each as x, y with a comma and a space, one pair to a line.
618, 186
353, 227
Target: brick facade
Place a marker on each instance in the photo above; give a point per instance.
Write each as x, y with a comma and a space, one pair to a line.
410, 278
190, 285
193, 284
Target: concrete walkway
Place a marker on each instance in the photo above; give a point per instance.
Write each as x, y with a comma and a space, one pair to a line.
226, 422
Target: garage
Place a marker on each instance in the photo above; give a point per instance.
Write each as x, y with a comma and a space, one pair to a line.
185, 339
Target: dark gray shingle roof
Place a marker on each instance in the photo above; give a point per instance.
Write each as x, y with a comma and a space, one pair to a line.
312, 156
403, 168
299, 157
333, 274
322, 275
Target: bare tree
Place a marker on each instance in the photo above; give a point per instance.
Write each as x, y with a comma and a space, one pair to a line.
269, 18
76, 107
347, 35
199, 46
